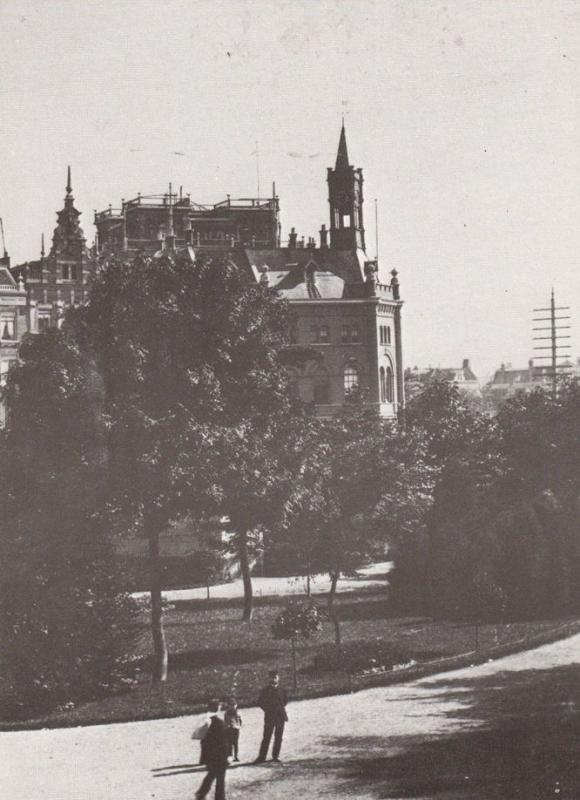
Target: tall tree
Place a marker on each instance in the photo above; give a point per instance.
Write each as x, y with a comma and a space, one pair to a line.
190, 354
331, 511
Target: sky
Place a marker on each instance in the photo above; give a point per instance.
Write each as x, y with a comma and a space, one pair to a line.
465, 117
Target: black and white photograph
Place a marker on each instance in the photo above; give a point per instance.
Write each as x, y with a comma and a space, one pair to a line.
290, 399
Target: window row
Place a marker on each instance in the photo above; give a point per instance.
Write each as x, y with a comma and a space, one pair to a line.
385, 334
349, 334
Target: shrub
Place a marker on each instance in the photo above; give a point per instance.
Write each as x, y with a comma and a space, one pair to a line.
360, 657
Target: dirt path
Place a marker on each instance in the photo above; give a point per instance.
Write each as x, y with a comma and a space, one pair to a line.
388, 743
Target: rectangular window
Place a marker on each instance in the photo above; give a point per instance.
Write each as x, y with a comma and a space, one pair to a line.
324, 335
345, 334
7, 327
355, 334
346, 220
43, 324
65, 272
314, 333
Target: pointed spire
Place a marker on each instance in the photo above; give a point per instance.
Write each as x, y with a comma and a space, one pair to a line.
68, 182
342, 155
3, 238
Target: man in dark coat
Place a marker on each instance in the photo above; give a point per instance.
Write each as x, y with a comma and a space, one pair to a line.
272, 701
215, 757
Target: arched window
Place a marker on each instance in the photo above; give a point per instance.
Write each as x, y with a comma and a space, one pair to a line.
293, 387
355, 334
381, 337
350, 378
389, 390
388, 334
323, 335
383, 385
321, 388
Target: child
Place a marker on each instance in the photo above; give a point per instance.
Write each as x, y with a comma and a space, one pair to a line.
233, 723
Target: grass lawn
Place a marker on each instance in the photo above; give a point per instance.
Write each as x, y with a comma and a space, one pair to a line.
213, 653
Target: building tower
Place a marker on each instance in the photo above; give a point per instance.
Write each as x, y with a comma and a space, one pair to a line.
345, 197
68, 241
59, 278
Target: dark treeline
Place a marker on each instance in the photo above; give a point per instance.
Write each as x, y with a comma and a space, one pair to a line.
501, 536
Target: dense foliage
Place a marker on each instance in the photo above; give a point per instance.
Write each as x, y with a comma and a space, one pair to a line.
501, 536
65, 618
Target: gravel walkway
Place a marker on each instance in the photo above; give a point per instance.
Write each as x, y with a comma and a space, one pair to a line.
146, 760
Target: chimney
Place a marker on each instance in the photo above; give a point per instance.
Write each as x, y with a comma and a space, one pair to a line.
323, 237
292, 239
465, 363
301, 243
311, 243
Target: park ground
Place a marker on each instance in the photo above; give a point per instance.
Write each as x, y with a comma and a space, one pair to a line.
214, 654
504, 729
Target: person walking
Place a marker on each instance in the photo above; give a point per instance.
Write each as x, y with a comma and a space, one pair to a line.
272, 701
215, 756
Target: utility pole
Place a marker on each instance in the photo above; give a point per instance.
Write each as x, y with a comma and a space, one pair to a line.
554, 338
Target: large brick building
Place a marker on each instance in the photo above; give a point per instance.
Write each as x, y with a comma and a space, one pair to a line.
350, 320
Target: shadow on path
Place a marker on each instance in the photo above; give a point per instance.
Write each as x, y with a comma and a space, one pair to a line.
184, 769
520, 740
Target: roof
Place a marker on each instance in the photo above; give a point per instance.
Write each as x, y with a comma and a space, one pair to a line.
521, 376
308, 273
443, 373
6, 279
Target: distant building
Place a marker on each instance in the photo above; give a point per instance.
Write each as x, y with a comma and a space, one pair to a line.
17, 317
61, 278
141, 224
416, 379
508, 382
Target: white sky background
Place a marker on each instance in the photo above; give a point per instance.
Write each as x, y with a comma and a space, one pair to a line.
465, 117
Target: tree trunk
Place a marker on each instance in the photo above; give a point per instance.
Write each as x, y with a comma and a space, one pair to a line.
246, 576
294, 671
334, 576
159, 668
308, 589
